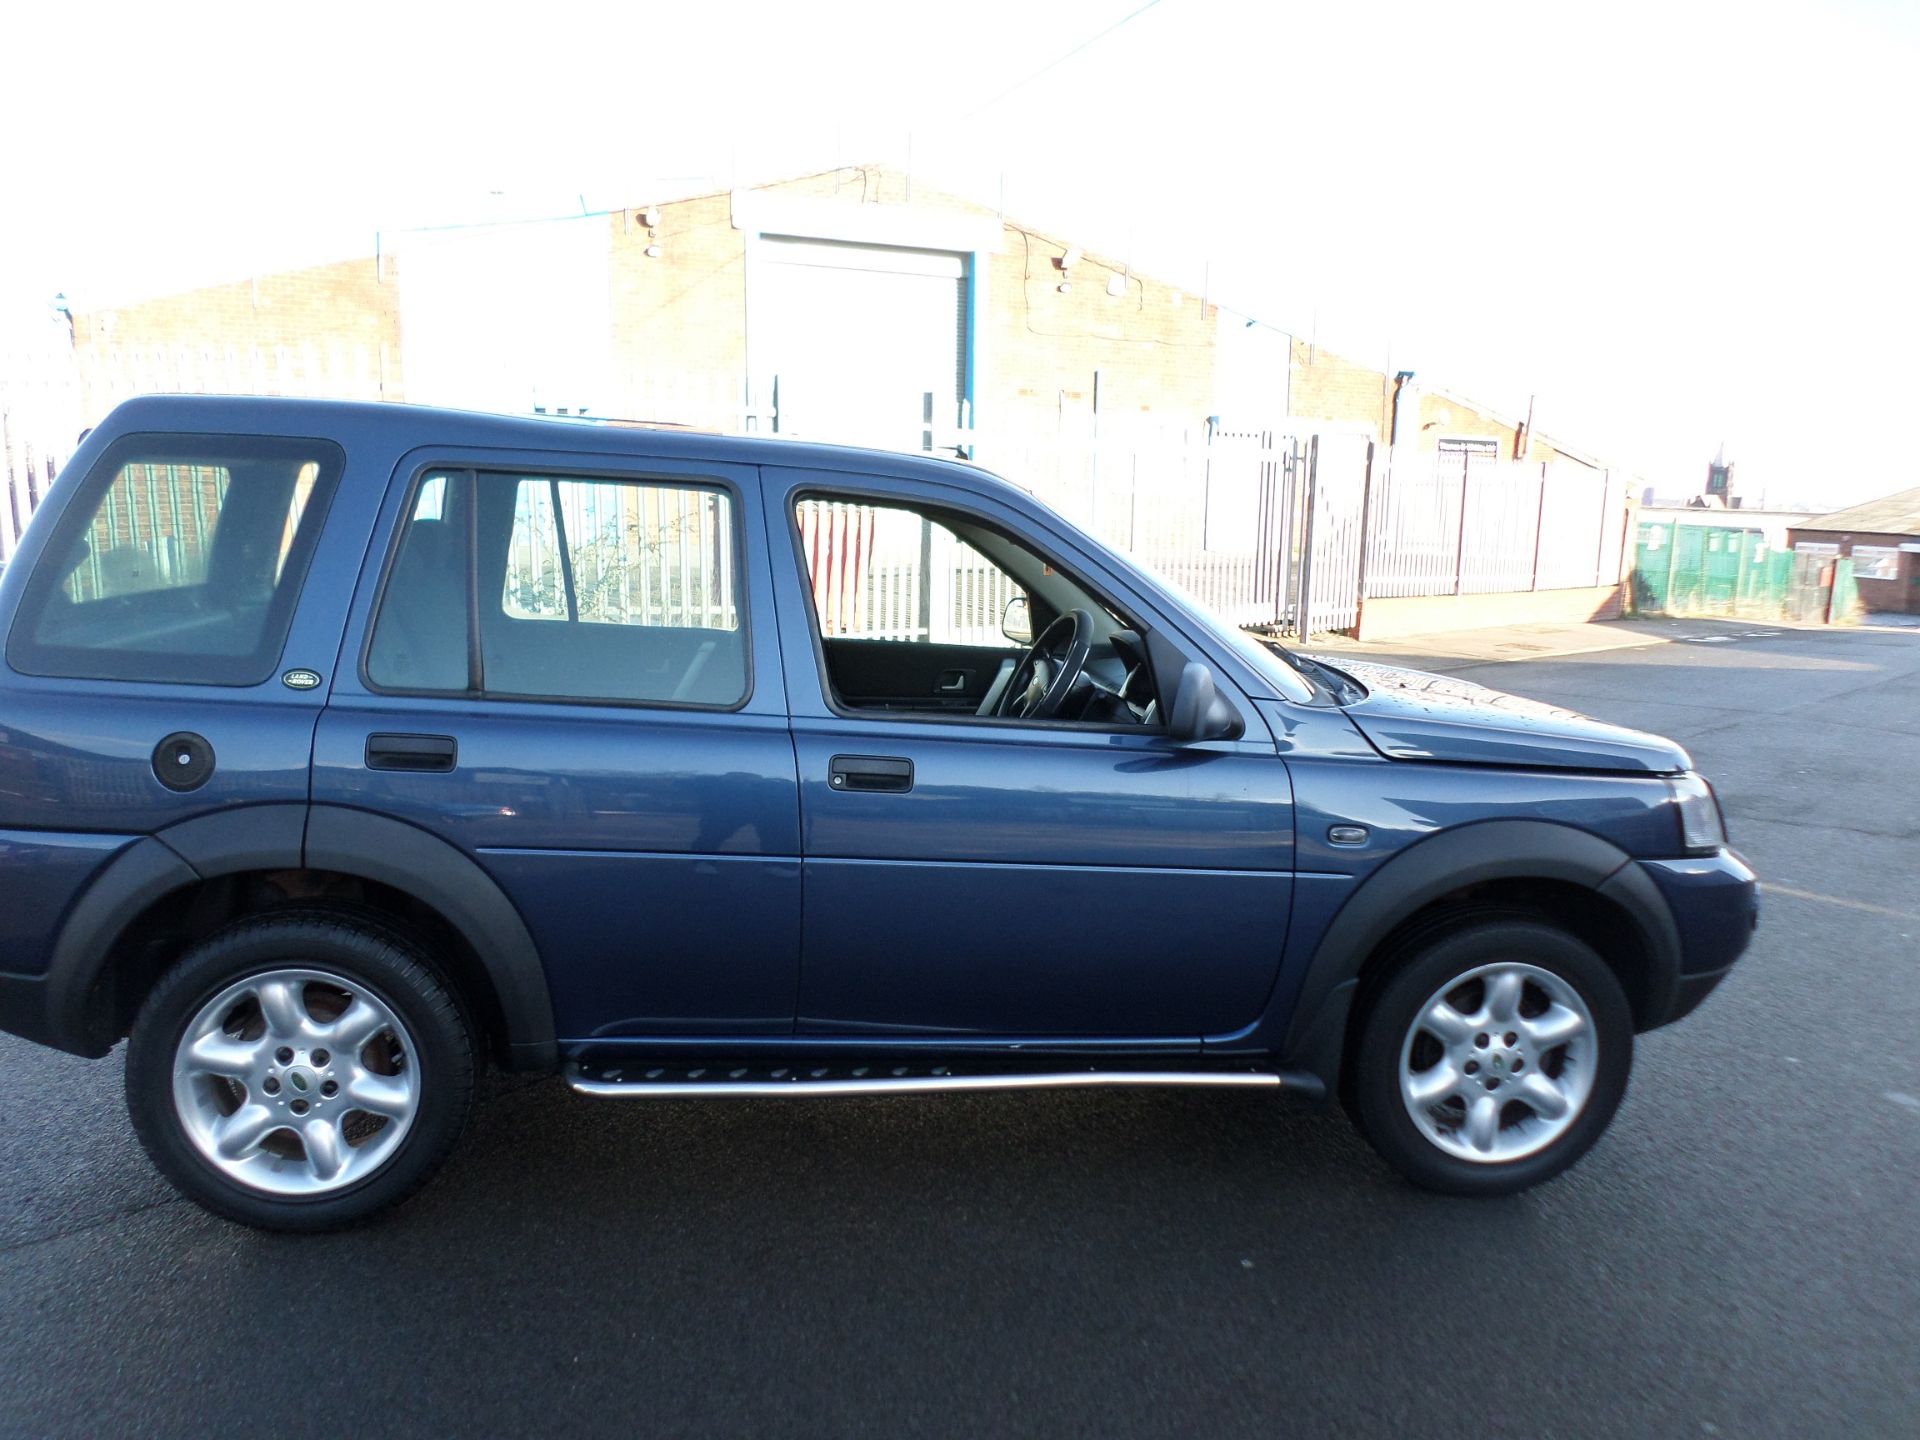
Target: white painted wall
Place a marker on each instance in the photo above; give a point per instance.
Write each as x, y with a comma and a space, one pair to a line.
507, 317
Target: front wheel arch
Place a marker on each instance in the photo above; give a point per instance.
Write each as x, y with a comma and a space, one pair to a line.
1568, 877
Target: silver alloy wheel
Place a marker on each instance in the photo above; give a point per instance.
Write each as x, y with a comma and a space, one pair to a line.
296, 1082
1499, 1062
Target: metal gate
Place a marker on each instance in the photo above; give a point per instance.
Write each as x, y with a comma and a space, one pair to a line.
1261, 527
1328, 593
1307, 509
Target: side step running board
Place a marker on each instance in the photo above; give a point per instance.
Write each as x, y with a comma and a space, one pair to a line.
645, 1081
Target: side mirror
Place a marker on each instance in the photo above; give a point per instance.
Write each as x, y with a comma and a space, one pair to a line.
1016, 621
1199, 711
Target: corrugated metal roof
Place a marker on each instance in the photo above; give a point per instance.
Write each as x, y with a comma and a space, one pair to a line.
1896, 514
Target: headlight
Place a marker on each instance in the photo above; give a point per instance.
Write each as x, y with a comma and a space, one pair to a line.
1701, 824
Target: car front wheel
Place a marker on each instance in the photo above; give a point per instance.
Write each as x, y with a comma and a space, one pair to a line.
1492, 1057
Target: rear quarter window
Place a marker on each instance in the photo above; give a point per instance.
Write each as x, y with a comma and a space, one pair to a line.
178, 559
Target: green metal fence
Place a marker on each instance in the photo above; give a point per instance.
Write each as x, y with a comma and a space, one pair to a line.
1731, 570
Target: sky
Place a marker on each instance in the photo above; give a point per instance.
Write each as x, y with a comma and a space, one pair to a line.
1667, 226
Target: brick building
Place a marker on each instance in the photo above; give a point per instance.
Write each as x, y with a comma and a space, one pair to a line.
1400, 410
859, 305
328, 329
826, 304
855, 303
1883, 537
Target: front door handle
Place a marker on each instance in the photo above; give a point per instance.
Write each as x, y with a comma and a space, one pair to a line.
411, 752
953, 682
870, 772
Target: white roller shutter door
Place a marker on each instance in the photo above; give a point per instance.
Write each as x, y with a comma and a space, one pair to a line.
856, 336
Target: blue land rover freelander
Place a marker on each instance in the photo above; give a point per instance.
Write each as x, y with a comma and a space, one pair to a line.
347, 748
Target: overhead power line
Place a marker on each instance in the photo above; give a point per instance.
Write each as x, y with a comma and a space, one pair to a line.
1056, 63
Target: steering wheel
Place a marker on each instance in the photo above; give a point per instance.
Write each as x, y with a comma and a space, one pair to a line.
1046, 673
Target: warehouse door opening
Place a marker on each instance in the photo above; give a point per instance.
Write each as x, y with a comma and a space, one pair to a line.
864, 344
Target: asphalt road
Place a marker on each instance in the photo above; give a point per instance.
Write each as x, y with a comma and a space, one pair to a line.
1740, 1256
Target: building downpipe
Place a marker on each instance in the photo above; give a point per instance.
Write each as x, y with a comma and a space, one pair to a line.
1402, 383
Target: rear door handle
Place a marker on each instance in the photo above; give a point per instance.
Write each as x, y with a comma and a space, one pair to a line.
870, 772
411, 752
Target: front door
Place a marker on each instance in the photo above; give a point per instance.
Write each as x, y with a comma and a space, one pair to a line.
972, 873
599, 723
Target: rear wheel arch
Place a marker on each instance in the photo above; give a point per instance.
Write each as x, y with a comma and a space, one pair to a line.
150, 901
388, 852
1565, 876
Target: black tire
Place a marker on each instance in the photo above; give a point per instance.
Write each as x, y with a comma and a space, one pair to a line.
1374, 1077
386, 962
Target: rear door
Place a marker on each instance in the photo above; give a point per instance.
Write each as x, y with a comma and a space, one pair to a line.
569, 670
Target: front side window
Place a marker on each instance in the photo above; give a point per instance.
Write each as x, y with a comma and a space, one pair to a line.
587, 589
179, 559
881, 572
932, 614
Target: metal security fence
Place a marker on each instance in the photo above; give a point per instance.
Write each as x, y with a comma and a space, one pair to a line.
1296, 530
1291, 528
28, 464
1185, 509
1454, 524
1733, 571
1260, 526
40, 423
51, 391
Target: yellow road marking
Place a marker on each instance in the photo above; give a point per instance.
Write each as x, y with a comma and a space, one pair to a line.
1792, 894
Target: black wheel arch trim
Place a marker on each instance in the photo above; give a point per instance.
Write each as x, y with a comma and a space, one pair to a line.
324, 837
1452, 860
145, 872
374, 847
248, 837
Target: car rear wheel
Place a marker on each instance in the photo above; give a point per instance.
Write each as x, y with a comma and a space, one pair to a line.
300, 1071
1492, 1057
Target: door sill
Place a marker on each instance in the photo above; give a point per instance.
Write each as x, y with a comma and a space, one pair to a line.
650, 1081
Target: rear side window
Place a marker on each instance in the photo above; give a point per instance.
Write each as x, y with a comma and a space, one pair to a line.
583, 589
180, 558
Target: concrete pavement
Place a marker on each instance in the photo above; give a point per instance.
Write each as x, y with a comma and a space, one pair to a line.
1459, 649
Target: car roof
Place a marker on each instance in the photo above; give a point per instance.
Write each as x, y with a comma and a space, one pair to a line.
405, 426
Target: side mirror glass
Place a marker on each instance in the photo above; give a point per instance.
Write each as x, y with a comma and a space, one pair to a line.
1016, 621
1199, 710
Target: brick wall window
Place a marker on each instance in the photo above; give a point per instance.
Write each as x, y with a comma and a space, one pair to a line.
1876, 562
